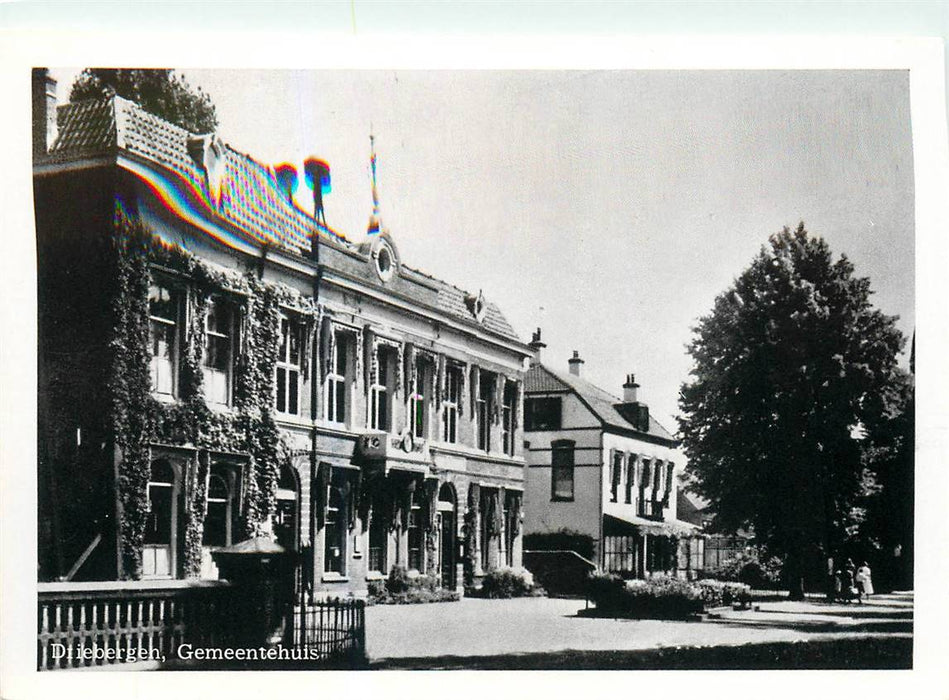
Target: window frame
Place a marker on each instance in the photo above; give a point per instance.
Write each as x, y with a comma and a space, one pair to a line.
336, 384
531, 413
381, 393
178, 295
508, 407
630, 476
563, 447
415, 530
174, 517
450, 402
419, 412
378, 529
230, 336
484, 403
616, 474
225, 475
645, 474
285, 363
335, 518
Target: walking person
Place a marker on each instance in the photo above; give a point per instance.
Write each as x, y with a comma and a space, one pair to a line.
864, 581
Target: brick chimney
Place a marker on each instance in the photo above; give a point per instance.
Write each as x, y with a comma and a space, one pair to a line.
630, 389
537, 345
575, 363
44, 111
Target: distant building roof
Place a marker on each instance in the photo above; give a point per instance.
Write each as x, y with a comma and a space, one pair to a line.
250, 198
687, 510
606, 407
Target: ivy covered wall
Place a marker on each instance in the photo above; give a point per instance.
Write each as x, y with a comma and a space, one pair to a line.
138, 420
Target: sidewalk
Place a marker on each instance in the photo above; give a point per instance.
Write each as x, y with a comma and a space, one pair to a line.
518, 633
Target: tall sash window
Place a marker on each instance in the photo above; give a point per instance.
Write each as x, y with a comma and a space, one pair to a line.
218, 347
164, 311
450, 404
288, 368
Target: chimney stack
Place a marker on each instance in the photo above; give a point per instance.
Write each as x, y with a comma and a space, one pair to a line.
575, 362
537, 345
44, 111
630, 389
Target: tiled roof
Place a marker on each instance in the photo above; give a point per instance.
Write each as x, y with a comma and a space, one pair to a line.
686, 510
540, 378
250, 198
451, 300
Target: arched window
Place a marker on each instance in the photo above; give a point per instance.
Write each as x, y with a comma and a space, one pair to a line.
285, 518
158, 551
217, 522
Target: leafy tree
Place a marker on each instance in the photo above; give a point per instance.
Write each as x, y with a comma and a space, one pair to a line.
791, 368
160, 91
887, 536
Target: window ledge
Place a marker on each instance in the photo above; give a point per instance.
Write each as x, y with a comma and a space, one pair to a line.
375, 576
561, 499
331, 577
295, 419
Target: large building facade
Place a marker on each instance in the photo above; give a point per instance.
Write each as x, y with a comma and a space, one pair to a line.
215, 365
602, 467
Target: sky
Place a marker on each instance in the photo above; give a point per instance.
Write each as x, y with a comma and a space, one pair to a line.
608, 207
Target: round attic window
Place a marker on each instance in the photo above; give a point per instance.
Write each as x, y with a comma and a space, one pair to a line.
384, 263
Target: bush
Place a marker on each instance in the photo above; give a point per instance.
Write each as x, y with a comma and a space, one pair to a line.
508, 583
715, 594
561, 540
751, 568
660, 597
402, 588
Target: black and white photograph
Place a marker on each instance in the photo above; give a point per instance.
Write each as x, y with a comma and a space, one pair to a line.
454, 368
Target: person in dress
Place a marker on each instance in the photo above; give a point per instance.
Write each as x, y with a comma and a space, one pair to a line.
850, 591
864, 581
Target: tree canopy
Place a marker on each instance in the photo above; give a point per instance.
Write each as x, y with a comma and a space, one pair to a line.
160, 91
792, 367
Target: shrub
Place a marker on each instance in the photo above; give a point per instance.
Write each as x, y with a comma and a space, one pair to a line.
403, 588
398, 581
715, 594
508, 583
754, 569
660, 597
376, 589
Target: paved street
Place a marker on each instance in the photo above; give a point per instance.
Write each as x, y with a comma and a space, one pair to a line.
444, 634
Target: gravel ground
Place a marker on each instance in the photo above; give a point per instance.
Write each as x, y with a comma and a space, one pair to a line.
482, 628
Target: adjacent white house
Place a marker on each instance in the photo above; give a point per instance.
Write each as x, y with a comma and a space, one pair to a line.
601, 466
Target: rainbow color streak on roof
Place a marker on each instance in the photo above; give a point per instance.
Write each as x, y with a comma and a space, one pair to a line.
240, 191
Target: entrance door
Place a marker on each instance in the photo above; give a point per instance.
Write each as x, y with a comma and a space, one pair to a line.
446, 555
447, 539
